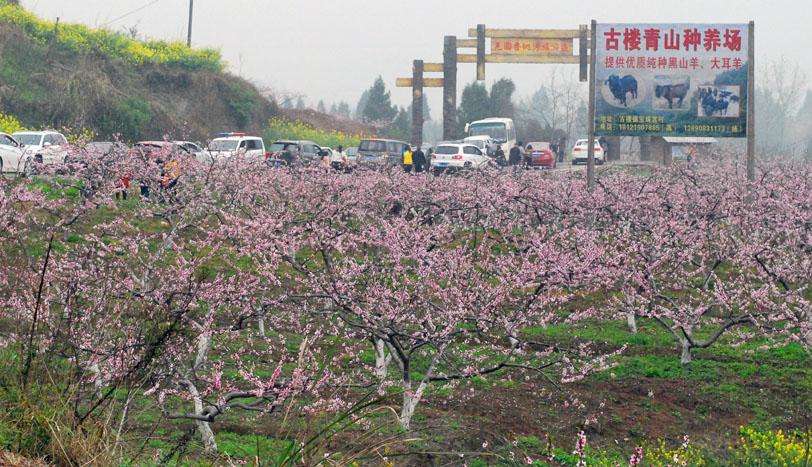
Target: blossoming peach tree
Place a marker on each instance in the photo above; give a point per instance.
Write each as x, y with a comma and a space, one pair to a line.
235, 286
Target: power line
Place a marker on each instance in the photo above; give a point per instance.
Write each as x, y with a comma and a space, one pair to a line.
132, 12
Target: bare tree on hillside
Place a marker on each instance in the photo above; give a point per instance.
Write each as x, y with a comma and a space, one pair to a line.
556, 104
779, 96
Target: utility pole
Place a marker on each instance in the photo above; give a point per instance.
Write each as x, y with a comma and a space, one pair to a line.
191, 15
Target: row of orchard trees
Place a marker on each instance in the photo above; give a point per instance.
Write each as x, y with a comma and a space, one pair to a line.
248, 288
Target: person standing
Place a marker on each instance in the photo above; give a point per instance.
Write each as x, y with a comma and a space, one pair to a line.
419, 160
515, 157
325, 160
408, 159
500, 156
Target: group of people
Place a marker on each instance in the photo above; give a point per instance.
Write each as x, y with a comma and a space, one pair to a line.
415, 160
516, 156
342, 162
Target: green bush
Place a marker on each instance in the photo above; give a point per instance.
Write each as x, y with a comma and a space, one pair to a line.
280, 128
9, 124
79, 38
772, 448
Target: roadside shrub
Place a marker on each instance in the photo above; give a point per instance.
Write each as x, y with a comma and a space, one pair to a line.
81, 39
9, 124
771, 448
280, 128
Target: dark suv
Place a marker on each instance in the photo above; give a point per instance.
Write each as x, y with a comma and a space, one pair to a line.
381, 151
291, 151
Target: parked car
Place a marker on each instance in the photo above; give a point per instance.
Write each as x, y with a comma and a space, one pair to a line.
352, 152
380, 152
233, 144
97, 148
105, 147
579, 152
295, 151
485, 143
11, 155
45, 147
200, 153
458, 156
540, 155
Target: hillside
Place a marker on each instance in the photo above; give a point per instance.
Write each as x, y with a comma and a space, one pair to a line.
71, 76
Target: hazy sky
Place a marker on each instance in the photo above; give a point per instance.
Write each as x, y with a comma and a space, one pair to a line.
333, 50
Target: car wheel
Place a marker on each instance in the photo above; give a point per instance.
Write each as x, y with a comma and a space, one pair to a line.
28, 169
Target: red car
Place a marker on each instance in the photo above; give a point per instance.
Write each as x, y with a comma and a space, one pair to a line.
539, 155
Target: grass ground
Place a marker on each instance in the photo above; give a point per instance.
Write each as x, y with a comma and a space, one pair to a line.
648, 398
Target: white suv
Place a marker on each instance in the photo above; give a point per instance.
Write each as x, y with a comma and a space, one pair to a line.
458, 156
45, 147
232, 144
11, 154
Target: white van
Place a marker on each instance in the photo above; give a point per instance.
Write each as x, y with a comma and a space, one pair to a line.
501, 130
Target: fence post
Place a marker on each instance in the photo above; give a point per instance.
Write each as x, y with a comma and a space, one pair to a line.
751, 103
480, 52
583, 53
590, 161
450, 88
417, 103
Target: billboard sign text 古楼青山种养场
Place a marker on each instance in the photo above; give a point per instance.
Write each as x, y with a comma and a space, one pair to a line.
671, 80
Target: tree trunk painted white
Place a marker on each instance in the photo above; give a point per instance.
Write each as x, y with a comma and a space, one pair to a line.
203, 342
203, 427
98, 384
261, 323
125, 411
382, 359
631, 320
410, 401
685, 358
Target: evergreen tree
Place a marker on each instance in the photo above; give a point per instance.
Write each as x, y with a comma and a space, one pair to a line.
379, 105
300, 103
502, 98
321, 107
474, 105
343, 109
362, 104
401, 127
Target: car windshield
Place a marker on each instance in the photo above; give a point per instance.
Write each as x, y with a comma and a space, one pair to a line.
28, 139
446, 150
276, 147
223, 145
497, 131
478, 143
371, 145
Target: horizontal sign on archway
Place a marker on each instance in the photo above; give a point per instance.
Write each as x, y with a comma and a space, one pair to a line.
529, 46
671, 80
